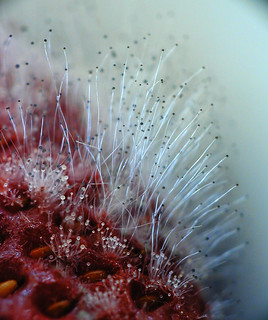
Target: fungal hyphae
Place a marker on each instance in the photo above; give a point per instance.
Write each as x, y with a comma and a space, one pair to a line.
115, 197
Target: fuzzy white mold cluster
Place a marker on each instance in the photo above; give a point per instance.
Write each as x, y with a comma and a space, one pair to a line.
154, 147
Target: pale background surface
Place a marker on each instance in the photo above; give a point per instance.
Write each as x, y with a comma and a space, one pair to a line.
231, 39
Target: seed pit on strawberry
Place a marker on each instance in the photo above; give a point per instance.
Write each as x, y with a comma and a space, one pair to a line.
12, 276
94, 276
148, 298
58, 309
40, 252
35, 238
93, 267
55, 299
7, 288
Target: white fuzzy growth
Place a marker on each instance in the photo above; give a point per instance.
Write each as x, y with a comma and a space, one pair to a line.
64, 247
108, 297
154, 146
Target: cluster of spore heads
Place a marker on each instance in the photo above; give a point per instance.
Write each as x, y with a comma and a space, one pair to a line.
62, 254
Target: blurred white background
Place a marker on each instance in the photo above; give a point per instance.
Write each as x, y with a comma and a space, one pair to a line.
231, 39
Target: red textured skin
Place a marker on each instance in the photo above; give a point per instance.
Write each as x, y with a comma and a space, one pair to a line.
32, 297
24, 227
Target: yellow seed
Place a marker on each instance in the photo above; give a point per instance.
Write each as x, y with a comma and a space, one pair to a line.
147, 302
41, 252
58, 309
8, 287
94, 276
